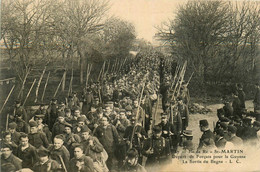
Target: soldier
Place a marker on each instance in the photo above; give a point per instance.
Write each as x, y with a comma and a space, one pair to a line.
36, 138
184, 112
228, 109
207, 134
81, 162
157, 150
70, 139
141, 114
41, 110
108, 137
15, 135
59, 152
169, 132
26, 152
9, 160
44, 163
238, 142
131, 162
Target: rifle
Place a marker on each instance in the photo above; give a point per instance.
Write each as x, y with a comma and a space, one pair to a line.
156, 108
101, 71
29, 92
181, 80
71, 79
7, 122
132, 136
7, 98
45, 86
190, 78
177, 70
27, 73
38, 85
58, 87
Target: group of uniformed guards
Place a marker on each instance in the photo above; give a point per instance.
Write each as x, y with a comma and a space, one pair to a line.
111, 126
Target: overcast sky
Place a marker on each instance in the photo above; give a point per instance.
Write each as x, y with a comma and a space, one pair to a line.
145, 14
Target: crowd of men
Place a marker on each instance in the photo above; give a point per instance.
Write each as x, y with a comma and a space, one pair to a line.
112, 127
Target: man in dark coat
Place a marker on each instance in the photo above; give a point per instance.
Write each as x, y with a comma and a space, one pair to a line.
26, 152
131, 162
36, 138
15, 135
169, 131
88, 99
108, 137
81, 162
8, 159
18, 111
207, 134
59, 126
241, 96
157, 150
45, 163
184, 112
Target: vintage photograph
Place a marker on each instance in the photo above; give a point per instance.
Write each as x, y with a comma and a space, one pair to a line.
130, 85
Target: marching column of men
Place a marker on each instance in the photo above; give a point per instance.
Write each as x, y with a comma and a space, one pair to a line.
112, 127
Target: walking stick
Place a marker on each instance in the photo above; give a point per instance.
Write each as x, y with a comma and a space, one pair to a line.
62, 162
29, 92
38, 85
45, 86
7, 98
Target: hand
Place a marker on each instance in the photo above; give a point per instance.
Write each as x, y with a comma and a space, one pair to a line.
139, 135
165, 132
149, 151
95, 125
118, 122
79, 165
91, 143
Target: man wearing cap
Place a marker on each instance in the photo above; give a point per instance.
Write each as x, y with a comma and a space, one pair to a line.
26, 152
92, 147
18, 111
41, 110
70, 139
36, 138
15, 135
224, 126
108, 137
233, 138
44, 163
248, 132
59, 152
141, 114
169, 131
81, 162
7, 158
236, 104
81, 121
59, 126
43, 127
157, 150
131, 162
135, 140
207, 134
7, 139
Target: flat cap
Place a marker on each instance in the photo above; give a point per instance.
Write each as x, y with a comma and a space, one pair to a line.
12, 125
33, 124
204, 123
157, 129
43, 152
85, 129
61, 114
187, 133
132, 153
128, 108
